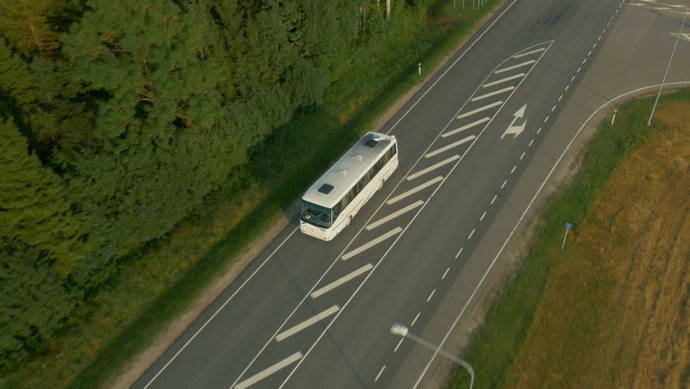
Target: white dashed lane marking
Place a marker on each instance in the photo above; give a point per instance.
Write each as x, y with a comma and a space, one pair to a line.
430, 295
380, 372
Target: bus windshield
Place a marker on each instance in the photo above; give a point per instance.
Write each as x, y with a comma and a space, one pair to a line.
315, 214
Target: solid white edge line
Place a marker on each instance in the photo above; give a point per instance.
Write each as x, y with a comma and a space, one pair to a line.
307, 323
184, 346
395, 214
522, 216
342, 280
371, 243
433, 167
385, 254
474, 42
414, 190
450, 146
269, 370
465, 127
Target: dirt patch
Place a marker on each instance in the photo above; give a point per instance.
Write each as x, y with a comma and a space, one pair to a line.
615, 309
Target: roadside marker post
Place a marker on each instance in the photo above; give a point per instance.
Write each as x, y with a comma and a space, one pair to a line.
419, 68
568, 227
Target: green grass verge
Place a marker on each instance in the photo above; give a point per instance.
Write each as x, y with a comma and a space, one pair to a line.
495, 345
159, 282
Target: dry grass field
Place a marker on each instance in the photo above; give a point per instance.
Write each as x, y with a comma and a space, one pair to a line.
614, 311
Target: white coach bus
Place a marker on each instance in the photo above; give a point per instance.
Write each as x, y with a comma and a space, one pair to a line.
335, 198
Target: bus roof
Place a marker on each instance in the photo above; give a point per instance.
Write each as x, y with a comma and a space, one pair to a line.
330, 188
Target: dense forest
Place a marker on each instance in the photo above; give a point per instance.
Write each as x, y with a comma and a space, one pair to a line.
119, 119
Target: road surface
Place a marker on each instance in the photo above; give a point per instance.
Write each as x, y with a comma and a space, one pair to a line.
477, 144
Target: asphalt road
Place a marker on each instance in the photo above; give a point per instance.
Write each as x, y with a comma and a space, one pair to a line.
477, 145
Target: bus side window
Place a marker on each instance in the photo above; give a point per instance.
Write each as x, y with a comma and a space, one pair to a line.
336, 210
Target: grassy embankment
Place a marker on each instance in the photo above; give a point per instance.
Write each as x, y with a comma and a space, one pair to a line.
158, 283
612, 309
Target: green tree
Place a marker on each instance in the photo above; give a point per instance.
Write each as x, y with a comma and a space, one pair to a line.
25, 24
34, 303
161, 138
33, 207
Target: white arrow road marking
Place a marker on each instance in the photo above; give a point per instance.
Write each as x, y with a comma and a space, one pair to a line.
512, 128
269, 370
